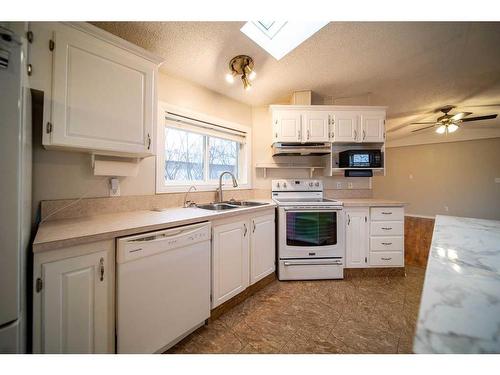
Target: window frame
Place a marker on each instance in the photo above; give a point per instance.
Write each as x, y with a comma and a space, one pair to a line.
245, 159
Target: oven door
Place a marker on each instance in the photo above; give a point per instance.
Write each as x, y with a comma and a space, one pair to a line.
311, 232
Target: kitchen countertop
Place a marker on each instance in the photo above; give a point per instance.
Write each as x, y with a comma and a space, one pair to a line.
460, 305
370, 202
57, 234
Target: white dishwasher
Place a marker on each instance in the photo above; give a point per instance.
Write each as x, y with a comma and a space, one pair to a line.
163, 287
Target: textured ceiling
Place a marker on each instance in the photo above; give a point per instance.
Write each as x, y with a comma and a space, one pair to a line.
411, 67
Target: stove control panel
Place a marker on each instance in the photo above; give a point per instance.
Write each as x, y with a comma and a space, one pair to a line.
297, 185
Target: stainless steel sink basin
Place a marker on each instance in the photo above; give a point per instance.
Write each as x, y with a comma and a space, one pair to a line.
246, 203
216, 206
230, 205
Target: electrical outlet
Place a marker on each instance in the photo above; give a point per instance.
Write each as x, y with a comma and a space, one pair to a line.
446, 208
497, 180
350, 185
410, 176
339, 185
114, 187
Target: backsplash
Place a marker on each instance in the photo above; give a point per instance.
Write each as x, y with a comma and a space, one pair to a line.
107, 205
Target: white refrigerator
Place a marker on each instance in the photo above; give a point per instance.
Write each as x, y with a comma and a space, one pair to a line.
15, 188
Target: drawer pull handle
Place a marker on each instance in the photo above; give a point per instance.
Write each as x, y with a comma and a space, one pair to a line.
384, 228
101, 269
386, 243
386, 258
386, 213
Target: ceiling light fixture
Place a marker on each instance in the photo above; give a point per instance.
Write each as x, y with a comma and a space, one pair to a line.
241, 65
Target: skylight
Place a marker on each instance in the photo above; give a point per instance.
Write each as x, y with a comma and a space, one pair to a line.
280, 37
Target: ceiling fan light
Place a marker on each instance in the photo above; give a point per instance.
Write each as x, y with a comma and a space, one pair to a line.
441, 129
229, 78
452, 128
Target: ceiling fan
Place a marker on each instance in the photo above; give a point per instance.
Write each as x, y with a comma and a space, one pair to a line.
448, 123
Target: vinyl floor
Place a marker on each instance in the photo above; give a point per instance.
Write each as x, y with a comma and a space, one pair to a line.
360, 314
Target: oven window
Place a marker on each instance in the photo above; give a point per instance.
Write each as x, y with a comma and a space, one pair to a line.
311, 228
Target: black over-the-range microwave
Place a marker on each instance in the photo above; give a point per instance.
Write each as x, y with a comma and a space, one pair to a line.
360, 159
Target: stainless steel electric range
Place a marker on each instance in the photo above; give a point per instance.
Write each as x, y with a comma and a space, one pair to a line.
310, 231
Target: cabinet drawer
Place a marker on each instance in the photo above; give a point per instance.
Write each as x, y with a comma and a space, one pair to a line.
386, 243
386, 228
387, 213
387, 258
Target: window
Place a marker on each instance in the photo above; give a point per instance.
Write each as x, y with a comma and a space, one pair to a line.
196, 152
280, 37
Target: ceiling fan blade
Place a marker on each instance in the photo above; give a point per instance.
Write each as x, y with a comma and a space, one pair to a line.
422, 123
427, 127
488, 117
459, 116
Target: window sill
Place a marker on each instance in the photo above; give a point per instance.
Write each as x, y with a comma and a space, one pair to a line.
165, 189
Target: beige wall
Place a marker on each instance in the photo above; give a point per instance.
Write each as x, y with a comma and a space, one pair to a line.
455, 178
63, 175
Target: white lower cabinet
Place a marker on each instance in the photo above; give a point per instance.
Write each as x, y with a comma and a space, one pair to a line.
387, 237
262, 247
230, 260
374, 237
356, 237
243, 252
73, 306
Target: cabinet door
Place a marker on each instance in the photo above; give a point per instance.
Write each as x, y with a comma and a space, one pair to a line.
357, 238
262, 247
230, 258
103, 98
372, 127
76, 306
345, 126
316, 126
287, 126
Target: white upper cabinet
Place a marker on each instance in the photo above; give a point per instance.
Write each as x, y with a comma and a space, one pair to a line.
373, 127
103, 95
345, 126
287, 126
316, 126
336, 124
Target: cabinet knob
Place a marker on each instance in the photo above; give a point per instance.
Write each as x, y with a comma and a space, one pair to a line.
149, 141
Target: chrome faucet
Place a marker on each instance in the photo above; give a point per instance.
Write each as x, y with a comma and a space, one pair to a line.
186, 202
235, 183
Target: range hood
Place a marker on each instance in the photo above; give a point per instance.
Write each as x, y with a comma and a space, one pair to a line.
295, 149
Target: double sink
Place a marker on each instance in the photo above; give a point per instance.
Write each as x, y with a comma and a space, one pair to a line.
229, 205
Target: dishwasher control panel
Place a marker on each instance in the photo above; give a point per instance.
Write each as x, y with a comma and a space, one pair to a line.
147, 244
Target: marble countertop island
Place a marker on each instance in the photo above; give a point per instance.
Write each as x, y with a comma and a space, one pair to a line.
460, 306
